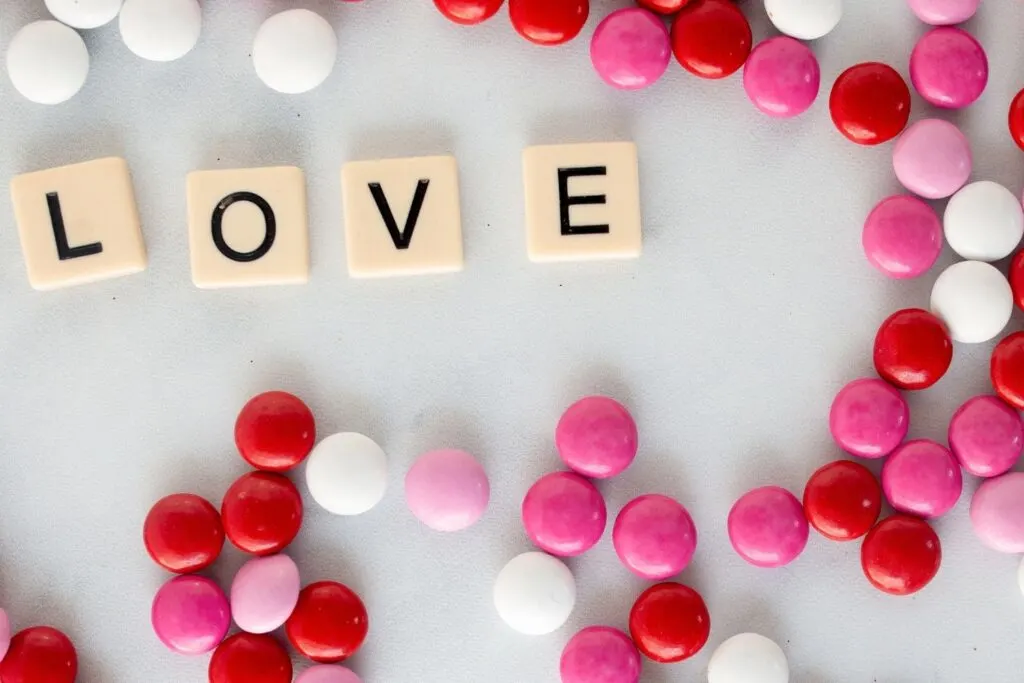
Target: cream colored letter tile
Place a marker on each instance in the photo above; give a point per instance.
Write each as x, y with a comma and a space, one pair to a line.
78, 223
402, 216
248, 227
582, 201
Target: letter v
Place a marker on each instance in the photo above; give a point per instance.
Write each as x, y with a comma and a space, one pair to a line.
402, 238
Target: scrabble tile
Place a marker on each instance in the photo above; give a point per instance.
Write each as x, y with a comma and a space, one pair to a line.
402, 216
582, 201
78, 223
248, 227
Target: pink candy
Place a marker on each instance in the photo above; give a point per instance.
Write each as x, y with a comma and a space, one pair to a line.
600, 654
944, 12
564, 514
932, 158
654, 536
986, 436
922, 478
949, 68
997, 513
782, 77
190, 614
447, 490
902, 237
264, 593
596, 437
869, 418
767, 527
327, 673
631, 48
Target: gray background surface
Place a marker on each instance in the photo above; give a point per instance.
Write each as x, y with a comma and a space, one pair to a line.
750, 307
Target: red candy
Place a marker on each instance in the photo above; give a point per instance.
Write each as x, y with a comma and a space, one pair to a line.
549, 22
249, 658
870, 103
275, 431
913, 349
468, 12
1017, 279
711, 38
663, 6
262, 512
842, 500
901, 555
183, 533
1017, 119
39, 655
329, 622
1007, 369
669, 622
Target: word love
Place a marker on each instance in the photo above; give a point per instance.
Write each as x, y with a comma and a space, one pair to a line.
246, 227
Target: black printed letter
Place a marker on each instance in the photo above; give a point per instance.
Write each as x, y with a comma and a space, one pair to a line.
60, 234
566, 201
268, 218
402, 238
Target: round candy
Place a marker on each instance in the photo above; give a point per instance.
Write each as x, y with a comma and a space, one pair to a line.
711, 38
1007, 369
597, 437
842, 500
804, 20
767, 527
160, 31
663, 6
564, 514
250, 658
275, 431
748, 658
902, 237
1017, 119
262, 513
932, 158
782, 77
183, 533
264, 593
997, 513
870, 103
329, 622
327, 673
294, 51
469, 12
944, 12
535, 593
5, 634
913, 349
347, 473
901, 555
447, 490
47, 62
669, 622
1017, 279
631, 48
39, 654
190, 614
986, 436
869, 418
548, 22
949, 68
84, 13
922, 478
654, 536
974, 300
984, 222
600, 654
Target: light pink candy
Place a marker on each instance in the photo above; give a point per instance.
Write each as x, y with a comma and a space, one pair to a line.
654, 536
922, 478
328, 673
932, 158
190, 614
597, 437
447, 490
782, 77
986, 436
902, 237
564, 514
944, 12
631, 48
997, 513
264, 593
600, 654
869, 418
5, 634
767, 527
948, 67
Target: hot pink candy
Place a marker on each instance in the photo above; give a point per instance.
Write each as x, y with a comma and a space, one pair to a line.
447, 490
264, 593
782, 77
922, 478
948, 67
564, 514
328, 673
869, 418
986, 436
600, 654
767, 527
902, 237
654, 536
190, 614
596, 437
631, 48
997, 513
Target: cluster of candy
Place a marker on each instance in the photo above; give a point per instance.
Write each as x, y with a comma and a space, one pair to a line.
39, 654
261, 514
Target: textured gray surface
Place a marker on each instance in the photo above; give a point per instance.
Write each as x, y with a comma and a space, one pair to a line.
751, 306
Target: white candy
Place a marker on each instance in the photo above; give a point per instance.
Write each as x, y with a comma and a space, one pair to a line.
84, 13
984, 221
161, 30
535, 593
347, 473
294, 51
805, 19
974, 300
748, 658
47, 62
